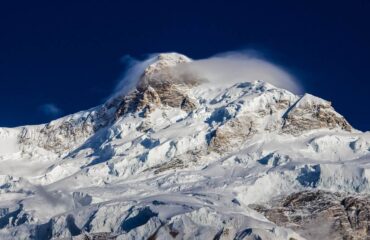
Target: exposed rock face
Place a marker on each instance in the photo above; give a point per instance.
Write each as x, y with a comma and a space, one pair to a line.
76, 128
322, 215
160, 85
170, 86
145, 100
188, 104
233, 133
172, 95
311, 113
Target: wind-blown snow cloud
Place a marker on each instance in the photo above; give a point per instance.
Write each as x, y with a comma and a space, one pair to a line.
234, 67
225, 68
50, 110
135, 69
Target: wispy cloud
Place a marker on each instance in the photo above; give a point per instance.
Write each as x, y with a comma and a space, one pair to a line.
233, 67
134, 70
224, 68
50, 110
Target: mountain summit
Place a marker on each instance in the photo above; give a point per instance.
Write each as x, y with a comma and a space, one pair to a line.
181, 156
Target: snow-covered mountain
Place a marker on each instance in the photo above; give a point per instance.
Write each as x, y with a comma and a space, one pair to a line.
181, 157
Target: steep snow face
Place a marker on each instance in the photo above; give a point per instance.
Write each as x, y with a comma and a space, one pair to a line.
177, 157
8, 141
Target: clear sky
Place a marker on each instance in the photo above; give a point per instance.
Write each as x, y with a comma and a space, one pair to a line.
58, 57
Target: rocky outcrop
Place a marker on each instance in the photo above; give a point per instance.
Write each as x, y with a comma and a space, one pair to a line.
322, 215
160, 85
76, 128
171, 94
171, 87
146, 100
232, 134
310, 113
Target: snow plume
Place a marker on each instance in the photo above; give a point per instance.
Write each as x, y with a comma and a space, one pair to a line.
234, 67
51, 110
134, 70
222, 69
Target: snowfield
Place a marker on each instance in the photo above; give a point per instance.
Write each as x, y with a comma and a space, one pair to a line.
177, 159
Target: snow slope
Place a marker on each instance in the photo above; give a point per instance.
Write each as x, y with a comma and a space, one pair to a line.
176, 158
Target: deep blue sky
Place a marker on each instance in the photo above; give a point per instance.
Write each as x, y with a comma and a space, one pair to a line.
67, 53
